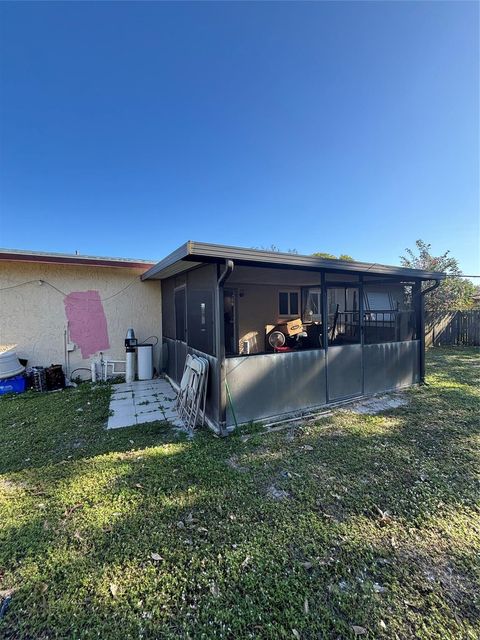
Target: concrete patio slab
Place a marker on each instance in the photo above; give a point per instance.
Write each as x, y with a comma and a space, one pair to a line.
148, 408
144, 401
152, 416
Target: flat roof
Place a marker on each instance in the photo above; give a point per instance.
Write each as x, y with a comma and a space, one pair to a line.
194, 253
22, 255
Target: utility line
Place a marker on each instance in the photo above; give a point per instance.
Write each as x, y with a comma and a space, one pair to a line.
40, 282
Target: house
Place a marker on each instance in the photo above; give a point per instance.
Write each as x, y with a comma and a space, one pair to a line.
283, 333
286, 333
67, 309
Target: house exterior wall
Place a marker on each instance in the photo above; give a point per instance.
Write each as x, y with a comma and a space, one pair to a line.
82, 299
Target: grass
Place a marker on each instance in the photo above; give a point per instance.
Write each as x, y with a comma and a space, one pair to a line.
353, 525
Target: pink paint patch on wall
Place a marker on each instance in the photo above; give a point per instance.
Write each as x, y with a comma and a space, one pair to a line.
87, 321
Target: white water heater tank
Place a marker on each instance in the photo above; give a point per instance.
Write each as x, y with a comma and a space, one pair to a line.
145, 361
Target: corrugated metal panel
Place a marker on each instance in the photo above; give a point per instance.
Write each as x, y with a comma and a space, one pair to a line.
391, 365
272, 384
344, 371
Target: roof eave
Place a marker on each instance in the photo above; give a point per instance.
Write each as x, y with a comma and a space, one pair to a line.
12, 255
197, 252
176, 256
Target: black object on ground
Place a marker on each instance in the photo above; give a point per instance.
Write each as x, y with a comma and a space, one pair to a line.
55, 377
4, 607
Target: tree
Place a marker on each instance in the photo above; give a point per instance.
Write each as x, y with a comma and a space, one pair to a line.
274, 248
330, 256
327, 256
453, 293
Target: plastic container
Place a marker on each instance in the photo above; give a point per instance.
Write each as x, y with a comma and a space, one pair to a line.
9, 364
16, 384
145, 361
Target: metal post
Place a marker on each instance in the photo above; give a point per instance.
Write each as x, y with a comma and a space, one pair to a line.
220, 346
420, 309
325, 328
361, 305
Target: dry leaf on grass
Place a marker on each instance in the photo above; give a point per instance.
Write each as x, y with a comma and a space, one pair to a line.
156, 556
385, 517
296, 634
68, 512
358, 631
113, 589
306, 607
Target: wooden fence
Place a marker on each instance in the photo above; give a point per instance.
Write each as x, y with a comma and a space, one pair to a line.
461, 328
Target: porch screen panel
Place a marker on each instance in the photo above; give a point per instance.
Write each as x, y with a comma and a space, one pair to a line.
200, 320
389, 314
180, 317
168, 308
343, 315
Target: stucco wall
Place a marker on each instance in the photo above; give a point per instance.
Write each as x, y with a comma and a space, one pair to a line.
34, 316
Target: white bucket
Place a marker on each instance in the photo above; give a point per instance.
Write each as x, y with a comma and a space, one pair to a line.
9, 363
145, 361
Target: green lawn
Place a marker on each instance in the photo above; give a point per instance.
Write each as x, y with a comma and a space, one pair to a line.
353, 525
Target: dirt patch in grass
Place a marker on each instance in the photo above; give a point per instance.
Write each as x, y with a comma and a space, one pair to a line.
234, 464
378, 404
277, 494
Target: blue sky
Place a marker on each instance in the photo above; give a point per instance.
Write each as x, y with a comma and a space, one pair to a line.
128, 128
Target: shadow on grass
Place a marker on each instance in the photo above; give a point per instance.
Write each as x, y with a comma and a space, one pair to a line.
43, 429
236, 563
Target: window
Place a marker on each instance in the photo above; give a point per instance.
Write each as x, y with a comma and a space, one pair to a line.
288, 303
313, 305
